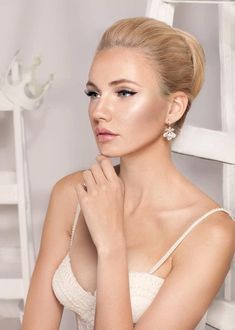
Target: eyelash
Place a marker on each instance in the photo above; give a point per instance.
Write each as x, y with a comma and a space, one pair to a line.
93, 94
122, 91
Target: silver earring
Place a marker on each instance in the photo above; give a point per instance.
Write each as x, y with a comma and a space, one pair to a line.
169, 132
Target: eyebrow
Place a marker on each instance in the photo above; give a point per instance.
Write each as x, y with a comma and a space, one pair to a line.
114, 83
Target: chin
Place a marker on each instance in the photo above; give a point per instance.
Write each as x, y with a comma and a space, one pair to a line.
111, 151
108, 152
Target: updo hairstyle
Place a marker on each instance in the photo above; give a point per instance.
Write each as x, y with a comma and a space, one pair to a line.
177, 57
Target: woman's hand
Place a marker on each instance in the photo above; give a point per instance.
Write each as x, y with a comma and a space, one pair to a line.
102, 203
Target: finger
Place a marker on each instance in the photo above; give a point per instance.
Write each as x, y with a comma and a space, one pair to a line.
98, 173
108, 168
100, 157
89, 180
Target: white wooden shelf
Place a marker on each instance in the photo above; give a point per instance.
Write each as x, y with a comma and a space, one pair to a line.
9, 255
206, 143
222, 314
11, 288
8, 188
213, 144
16, 263
10, 309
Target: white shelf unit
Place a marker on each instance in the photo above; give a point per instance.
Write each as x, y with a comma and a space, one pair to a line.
198, 142
14, 190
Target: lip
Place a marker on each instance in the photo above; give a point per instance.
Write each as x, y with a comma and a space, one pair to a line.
100, 131
106, 137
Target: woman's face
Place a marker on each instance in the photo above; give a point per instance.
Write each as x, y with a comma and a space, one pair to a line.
125, 98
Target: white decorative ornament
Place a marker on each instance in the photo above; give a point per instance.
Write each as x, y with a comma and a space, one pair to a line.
20, 86
169, 133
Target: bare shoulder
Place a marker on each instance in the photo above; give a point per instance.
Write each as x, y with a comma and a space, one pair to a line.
216, 228
67, 183
202, 261
71, 179
216, 233
64, 194
61, 209
60, 214
221, 231
223, 225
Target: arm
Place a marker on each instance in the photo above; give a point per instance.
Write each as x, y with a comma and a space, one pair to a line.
113, 309
42, 309
197, 275
102, 206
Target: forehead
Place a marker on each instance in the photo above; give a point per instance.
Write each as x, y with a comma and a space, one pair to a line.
122, 63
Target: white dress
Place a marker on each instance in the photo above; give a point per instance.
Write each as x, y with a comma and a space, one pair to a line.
144, 286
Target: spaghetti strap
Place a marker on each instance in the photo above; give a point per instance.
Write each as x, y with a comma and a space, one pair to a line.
74, 224
174, 246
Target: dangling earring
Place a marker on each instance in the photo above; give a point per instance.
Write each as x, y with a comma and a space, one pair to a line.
169, 132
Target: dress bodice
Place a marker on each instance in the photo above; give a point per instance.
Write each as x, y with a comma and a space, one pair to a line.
144, 286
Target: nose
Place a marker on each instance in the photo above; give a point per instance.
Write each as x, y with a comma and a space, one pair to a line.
101, 110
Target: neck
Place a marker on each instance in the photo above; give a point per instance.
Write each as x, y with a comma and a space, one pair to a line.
149, 175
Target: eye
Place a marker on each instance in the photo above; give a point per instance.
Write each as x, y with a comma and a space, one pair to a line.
125, 93
91, 94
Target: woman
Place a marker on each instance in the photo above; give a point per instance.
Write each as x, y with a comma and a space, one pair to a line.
143, 79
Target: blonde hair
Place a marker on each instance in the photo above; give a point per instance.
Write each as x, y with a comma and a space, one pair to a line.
176, 55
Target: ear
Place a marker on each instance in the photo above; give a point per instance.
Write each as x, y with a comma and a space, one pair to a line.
178, 105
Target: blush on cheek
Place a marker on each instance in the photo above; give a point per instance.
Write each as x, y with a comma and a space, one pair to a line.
146, 115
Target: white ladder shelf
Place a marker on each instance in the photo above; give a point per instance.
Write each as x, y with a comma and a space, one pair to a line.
196, 141
14, 185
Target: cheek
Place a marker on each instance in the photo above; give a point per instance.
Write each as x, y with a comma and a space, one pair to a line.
90, 113
146, 114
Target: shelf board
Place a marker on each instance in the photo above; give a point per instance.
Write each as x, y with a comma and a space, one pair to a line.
10, 262
8, 188
11, 288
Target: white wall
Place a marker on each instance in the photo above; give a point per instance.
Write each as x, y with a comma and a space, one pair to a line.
59, 139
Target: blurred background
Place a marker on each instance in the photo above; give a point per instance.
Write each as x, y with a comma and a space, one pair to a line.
58, 136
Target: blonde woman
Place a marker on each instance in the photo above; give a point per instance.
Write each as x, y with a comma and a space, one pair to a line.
136, 245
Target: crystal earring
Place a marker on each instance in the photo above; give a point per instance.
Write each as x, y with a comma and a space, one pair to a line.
169, 132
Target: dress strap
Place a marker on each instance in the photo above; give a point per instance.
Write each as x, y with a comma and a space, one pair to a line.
74, 224
174, 246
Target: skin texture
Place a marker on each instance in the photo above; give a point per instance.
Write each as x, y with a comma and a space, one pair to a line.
123, 113
131, 214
